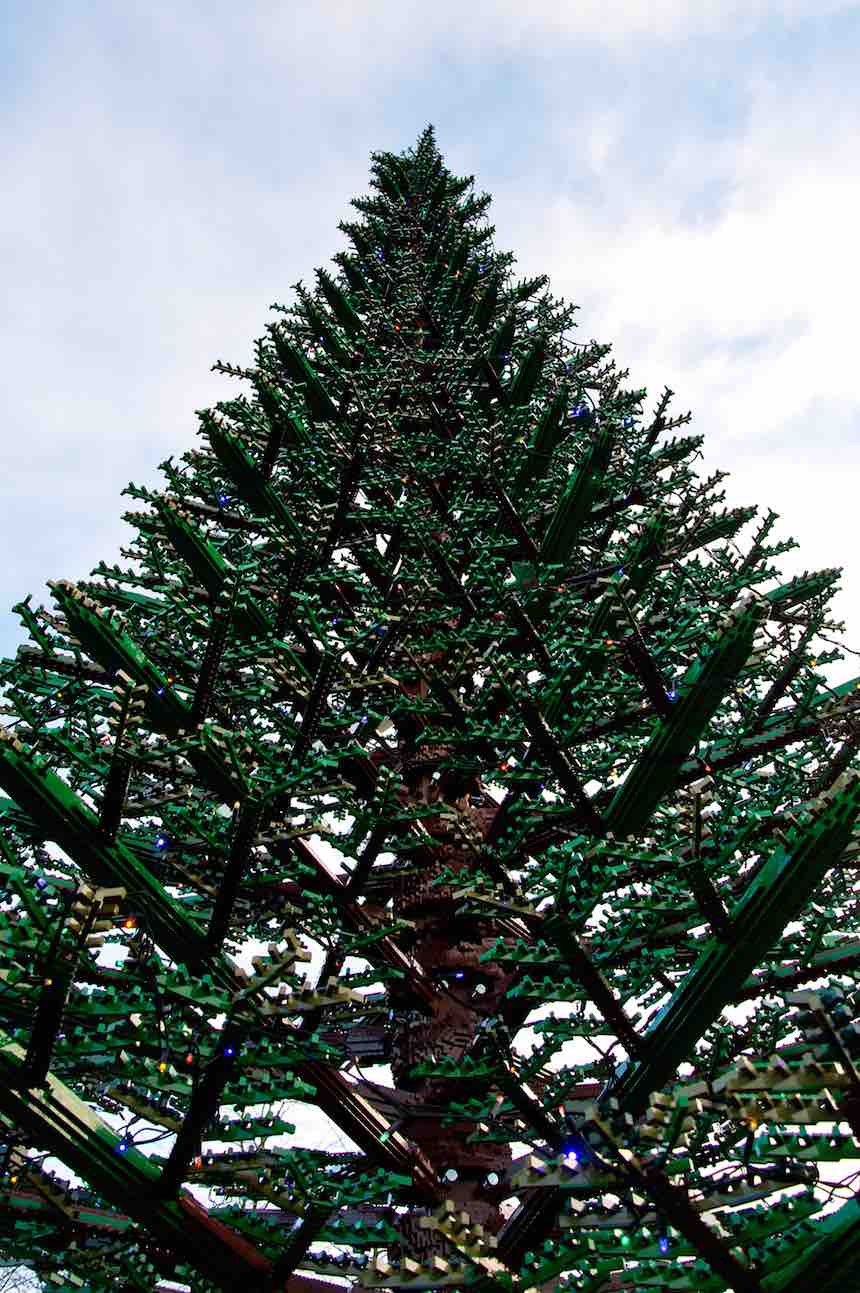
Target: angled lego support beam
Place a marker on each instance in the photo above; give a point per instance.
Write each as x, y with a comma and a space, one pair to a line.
575, 503
360, 1121
701, 692
298, 1242
251, 485
61, 1122
560, 765
828, 1265
672, 1203
237, 861
584, 969
166, 710
205, 1101
390, 952
772, 899
64, 818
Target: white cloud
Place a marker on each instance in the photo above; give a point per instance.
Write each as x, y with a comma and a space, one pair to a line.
488, 25
748, 316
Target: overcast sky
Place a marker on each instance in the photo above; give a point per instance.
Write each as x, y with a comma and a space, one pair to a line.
685, 172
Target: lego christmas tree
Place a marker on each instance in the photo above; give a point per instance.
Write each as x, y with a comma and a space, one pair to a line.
437, 696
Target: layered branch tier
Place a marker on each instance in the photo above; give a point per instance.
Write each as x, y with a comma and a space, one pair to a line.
448, 775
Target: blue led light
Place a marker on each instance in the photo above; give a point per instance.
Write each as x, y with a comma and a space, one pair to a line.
573, 1150
161, 841
672, 695
223, 498
663, 1244
123, 1147
459, 974
229, 1052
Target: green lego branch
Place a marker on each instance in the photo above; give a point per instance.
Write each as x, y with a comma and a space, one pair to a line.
61, 1122
773, 898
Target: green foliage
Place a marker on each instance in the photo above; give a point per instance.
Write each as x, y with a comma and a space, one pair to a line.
435, 662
